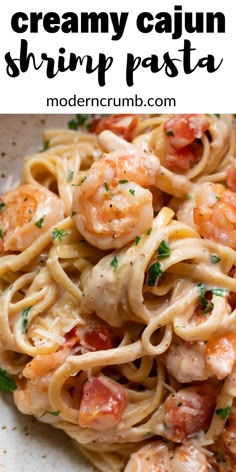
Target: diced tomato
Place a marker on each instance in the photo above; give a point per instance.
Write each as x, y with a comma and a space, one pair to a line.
182, 159
182, 130
122, 125
103, 403
93, 338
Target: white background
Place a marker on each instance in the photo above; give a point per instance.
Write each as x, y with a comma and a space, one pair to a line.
197, 92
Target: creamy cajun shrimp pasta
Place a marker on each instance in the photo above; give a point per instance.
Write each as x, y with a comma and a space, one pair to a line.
118, 290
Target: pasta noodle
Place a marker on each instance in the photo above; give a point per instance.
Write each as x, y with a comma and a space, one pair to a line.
117, 287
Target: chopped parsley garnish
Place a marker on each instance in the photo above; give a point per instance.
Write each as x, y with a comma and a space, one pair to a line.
24, 315
7, 384
53, 413
106, 186
2, 205
59, 233
217, 197
220, 457
149, 231
39, 223
217, 115
153, 272
189, 197
115, 263
214, 259
137, 239
124, 181
70, 175
180, 404
132, 191
45, 146
80, 120
170, 132
1, 233
219, 292
74, 213
224, 412
163, 250
78, 185
206, 305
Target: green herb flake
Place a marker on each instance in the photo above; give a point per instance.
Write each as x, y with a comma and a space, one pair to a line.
115, 263
124, 181
70, 175
132, 191
53, 413
7, 384
106, 186
60, 234
220, 457
214, 259
217, 197
137, 239
45, 146
217, 115
72, 124
170, 132
78, 185
189, 197
149, 231
163, 250
224, 412
206, 305
80, 120
74, 213
180, 404
2, 205
153, 272
24, 316
39, 223
208, 308
1, 233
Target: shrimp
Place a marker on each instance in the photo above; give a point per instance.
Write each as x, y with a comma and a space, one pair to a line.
215, 213
186, 361
221, 354
188, 411
88, 338
31, 398
111, 207
26, 213
159, 457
